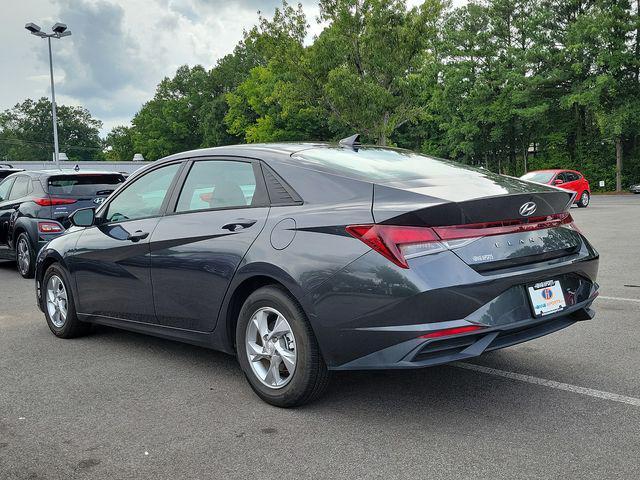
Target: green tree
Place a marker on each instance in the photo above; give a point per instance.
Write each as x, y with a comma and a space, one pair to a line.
119, 144
26, 132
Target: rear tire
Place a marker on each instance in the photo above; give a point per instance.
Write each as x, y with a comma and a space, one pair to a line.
59, 307
25, 256
286, 368
585, 198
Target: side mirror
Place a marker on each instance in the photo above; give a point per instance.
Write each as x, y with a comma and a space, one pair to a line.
558, 182
84, 217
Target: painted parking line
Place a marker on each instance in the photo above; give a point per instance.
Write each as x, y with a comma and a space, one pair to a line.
614, 397
620, 299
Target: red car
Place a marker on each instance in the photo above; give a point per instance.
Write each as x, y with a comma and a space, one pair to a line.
567, 179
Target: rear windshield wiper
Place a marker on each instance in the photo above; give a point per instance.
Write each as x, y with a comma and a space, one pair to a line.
104, 192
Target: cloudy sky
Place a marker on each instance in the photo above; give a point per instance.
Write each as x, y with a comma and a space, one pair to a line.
119, 49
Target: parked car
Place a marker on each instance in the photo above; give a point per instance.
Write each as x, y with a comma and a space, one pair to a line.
35, 206
635, 188
6, 170
306, 258
567, 179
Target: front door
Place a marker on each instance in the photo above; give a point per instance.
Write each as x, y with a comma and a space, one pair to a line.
197, 248
112, 261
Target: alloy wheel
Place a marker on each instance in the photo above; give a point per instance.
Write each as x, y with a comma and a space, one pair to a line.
57, 301
585, 198
271, 347
24, 256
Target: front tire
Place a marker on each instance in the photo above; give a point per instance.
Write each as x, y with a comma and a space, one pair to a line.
585, 198
278, 351
25, 256
59, 307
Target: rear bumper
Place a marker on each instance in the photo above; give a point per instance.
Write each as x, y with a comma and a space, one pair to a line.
372, 314
419, 352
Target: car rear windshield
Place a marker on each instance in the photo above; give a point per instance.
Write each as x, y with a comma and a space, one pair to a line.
378, 164
84, 185
540, 177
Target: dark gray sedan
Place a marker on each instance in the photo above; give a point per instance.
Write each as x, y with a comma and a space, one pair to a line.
306, 258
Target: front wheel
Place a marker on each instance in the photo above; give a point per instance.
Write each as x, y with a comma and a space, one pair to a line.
585, 198
59, 308
278, 351
25, 256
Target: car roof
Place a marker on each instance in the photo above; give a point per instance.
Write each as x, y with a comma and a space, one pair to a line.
554, 170
55, 172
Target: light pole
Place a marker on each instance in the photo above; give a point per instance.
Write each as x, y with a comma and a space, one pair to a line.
59, 31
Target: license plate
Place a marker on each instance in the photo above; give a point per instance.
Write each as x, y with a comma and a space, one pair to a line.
547, 297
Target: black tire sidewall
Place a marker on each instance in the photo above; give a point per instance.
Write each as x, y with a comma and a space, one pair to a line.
303, 376
70, 326
32, 256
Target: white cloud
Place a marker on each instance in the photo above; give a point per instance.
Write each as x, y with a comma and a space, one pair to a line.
120, 49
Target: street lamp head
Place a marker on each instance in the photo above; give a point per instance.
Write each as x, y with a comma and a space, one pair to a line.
59, 28
33, 28
64, 34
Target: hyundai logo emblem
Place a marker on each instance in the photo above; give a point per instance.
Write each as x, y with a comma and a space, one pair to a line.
98, 200
528, 209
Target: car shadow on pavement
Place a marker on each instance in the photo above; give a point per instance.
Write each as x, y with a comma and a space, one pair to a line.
406, 392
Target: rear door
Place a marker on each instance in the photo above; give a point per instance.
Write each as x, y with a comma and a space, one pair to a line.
196, 249
111, 264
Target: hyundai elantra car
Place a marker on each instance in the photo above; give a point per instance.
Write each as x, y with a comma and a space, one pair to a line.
302, 259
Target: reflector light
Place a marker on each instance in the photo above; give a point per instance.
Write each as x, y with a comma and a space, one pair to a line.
452, 331
48, 202
397, 243
49, 227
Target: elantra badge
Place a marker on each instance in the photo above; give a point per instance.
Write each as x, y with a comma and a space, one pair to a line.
98, 200
528, 209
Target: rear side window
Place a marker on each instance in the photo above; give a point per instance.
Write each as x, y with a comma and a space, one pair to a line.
20, 188
218, 184
83, 185
5, 187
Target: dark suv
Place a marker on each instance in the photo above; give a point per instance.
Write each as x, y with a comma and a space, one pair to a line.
6, 170
35, 206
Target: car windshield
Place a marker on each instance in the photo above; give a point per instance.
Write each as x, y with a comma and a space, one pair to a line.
539, 177
84, 185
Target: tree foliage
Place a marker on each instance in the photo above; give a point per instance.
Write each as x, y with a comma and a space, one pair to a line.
511, 85
26, 132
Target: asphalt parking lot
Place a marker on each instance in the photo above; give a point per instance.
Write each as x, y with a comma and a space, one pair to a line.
122, 405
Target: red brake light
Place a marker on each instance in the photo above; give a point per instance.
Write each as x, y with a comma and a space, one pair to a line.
49, 227
388, 239
397, 243
452, 331
487, 229
48, 202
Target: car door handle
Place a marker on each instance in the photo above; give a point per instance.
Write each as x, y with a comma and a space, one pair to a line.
137, 236
238, 224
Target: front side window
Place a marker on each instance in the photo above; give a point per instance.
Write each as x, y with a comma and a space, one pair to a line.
144, 197
217, 184
20, 188
5, 187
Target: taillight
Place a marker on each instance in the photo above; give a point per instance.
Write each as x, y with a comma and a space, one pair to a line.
48, 202
452, 331
487, 229
399, 243
394, 242
49, 227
